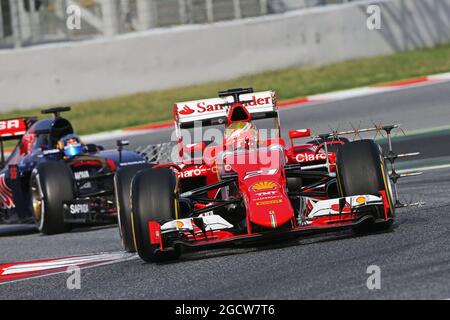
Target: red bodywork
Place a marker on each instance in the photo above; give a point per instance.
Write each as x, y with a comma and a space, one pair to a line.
261, 185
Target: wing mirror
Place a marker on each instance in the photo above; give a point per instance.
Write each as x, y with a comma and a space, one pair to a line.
92, 148
194, 148
120, 144
297, 134
301, 133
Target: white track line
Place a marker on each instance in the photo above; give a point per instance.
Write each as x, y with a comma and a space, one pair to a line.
116, 256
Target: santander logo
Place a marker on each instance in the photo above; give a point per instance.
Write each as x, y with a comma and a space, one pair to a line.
186, 111
208, 106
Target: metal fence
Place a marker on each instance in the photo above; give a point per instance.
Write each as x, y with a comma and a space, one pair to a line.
30, 22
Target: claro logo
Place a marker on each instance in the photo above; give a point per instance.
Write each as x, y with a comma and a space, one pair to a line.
203, 107
307, 157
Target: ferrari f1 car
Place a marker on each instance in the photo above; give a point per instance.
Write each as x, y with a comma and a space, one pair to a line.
52, 179
250, 186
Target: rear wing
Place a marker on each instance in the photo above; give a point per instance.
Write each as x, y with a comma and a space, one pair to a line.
214, 111
11, 129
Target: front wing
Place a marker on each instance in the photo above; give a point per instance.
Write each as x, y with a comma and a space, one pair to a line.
213, 231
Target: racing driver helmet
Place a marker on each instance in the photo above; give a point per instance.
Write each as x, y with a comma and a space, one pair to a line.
71, 145
241, 136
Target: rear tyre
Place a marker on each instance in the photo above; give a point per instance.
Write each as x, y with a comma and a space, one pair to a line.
153, 198
122, 186
361, 169
51, 184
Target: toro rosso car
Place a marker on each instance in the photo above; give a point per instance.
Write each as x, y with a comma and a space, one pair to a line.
52, 179
249, 185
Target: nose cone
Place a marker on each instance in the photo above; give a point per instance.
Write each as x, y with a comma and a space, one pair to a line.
268, 204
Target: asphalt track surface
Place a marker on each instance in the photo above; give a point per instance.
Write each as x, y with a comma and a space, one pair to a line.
414, 258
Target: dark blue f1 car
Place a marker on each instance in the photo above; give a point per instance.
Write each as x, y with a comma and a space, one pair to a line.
54, 180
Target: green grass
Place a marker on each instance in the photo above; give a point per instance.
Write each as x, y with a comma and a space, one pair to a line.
152, 107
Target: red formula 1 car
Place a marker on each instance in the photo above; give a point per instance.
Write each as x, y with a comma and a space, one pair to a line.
247, 185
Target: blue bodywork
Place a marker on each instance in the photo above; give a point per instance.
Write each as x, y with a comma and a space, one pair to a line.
39, 144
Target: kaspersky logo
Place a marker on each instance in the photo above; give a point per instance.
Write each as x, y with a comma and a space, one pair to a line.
186, 111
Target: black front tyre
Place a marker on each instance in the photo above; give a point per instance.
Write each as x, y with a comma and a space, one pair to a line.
361, 169
153, 198
51, 185
122, 186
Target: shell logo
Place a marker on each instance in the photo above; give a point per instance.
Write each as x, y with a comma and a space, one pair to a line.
180, 224
264, 185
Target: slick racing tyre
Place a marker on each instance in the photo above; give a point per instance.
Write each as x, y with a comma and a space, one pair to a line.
153, 198
51, 184
122, 187
361, 169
